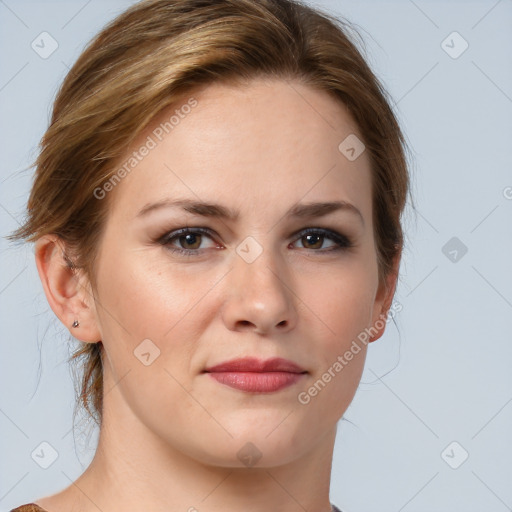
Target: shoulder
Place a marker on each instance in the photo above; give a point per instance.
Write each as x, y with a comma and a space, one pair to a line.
29, 507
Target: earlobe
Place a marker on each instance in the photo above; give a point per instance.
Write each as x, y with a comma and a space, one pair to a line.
67, 292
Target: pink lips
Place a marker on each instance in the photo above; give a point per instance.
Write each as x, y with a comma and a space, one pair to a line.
255, 375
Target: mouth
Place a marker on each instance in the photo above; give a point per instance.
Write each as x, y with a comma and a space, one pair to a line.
257, 376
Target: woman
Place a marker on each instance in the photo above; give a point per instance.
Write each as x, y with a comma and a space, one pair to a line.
217, 219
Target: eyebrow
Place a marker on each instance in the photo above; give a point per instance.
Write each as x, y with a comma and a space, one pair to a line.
204, 209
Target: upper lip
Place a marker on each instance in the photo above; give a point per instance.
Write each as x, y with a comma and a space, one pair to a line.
253, 364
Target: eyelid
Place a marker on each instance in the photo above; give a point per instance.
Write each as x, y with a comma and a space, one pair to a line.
342, 241
331, 234
175, 233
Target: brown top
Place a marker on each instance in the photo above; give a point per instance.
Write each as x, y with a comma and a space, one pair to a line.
32, 507
29, 507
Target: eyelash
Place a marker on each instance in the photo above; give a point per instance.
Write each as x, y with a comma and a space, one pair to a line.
342, 242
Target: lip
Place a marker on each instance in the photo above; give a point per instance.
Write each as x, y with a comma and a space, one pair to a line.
253, 364
255, 375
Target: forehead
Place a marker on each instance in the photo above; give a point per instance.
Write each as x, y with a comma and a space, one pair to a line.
259, 145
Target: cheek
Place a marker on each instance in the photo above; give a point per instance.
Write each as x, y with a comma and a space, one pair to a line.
143, 296
148, 333
342, 298
343, 306
345, 313
148, 305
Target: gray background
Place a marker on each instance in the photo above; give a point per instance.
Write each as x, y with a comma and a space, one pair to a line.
444, 375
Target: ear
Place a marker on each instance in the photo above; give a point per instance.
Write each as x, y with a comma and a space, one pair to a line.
67, 290
384, 299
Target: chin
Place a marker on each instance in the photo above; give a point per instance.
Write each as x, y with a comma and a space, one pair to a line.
252, 455
271, 443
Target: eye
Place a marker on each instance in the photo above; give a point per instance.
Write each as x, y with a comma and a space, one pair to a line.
313, 238
190, 239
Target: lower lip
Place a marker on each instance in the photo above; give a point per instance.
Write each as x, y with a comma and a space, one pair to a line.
259, 382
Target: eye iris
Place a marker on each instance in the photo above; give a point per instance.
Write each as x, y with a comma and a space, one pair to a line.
191, 237
319, 239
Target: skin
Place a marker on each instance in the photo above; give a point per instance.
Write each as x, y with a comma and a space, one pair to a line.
171, 433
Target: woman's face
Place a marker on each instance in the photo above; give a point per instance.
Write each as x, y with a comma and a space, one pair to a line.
170, 305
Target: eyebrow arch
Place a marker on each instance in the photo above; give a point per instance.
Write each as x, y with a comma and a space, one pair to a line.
305, 210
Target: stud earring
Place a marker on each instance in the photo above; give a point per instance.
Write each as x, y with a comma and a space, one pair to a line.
76, 323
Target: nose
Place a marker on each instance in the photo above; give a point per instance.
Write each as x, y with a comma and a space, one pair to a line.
260, 296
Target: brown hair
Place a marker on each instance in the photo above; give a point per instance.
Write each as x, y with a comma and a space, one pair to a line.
153, 55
